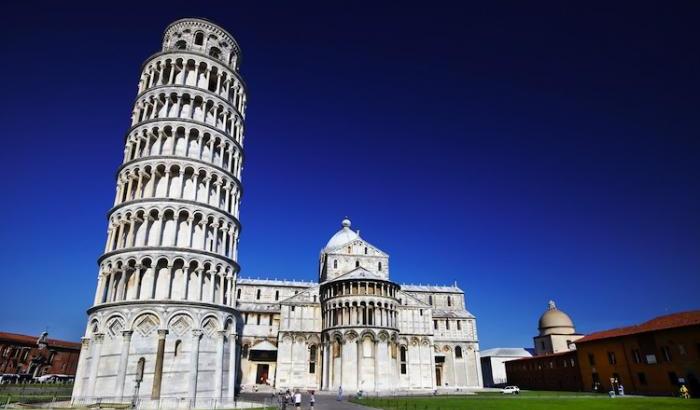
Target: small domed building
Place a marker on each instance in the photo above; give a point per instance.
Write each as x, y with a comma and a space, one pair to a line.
556, 332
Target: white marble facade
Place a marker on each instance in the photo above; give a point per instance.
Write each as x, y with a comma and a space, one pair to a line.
355, 328
171, 318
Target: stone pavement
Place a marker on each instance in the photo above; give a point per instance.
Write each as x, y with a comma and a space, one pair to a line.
324, 401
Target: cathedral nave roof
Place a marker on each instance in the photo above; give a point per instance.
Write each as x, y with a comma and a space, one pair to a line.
359, 273
452, 314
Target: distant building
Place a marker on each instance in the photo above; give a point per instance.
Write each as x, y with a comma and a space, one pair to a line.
32, 356
493, 365
556, 371
555, 364
654, 357
557, 332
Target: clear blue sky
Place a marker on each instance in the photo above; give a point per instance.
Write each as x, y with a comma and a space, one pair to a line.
527, 151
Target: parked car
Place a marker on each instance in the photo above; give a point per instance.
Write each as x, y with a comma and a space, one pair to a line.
510, 390
54, 378
9, 378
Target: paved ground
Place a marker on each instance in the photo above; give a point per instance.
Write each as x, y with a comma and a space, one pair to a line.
324, 401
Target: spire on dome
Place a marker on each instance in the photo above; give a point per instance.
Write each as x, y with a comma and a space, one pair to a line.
551, 305
346, 223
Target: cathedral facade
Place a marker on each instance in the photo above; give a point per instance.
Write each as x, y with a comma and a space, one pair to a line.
172, 319
355, 327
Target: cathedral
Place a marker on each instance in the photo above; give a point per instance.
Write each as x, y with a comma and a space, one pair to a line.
172, 321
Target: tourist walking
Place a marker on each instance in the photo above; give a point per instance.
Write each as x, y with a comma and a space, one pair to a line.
297, 399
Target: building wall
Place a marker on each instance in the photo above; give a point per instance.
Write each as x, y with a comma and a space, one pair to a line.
631, 359
494, 370
197, 359
358, 253
549, 372
554, 343
20, 354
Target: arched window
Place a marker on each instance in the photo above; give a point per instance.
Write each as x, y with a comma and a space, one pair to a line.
257, 295
379, 266
403, 359
449, 301
365, 250
215, 52
447, 324
335, 263
238, 293
430, 299
357, 264
178, 347
349, 249
181, 44
277, 295
458, 352
312, 359
199, 38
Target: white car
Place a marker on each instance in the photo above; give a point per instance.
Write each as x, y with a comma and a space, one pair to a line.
510, 390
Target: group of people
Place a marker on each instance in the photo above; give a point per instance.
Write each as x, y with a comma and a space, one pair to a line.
296, 399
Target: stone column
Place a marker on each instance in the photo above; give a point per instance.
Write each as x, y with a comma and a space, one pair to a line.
212, 286
97, 339
360, 355
454, 366
158, 375
194, 364
123, 360
291, 357
232, 365
376, 365
137, 282
432, 365
219, 369
100, 291
324, 364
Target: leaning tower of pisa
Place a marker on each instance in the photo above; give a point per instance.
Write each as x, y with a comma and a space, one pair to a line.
162, 325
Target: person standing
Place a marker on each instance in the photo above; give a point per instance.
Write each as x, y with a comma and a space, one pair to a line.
684, 392
297, 399
340, 393
312, 400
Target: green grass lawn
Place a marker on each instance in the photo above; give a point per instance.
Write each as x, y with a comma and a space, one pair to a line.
529, 401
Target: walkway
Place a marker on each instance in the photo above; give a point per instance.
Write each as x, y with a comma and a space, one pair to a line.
324, 401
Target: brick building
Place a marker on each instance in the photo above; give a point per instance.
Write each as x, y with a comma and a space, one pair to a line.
654, 357
555, 371
29, 355
555, 364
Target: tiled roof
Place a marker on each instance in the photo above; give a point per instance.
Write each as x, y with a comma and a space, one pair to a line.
430, 288
357, 273
545, 356
452, 313
507, 352
671, 321
31, 341
275, 282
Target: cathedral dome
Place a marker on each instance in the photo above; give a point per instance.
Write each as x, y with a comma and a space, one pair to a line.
554, 321
343, 236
